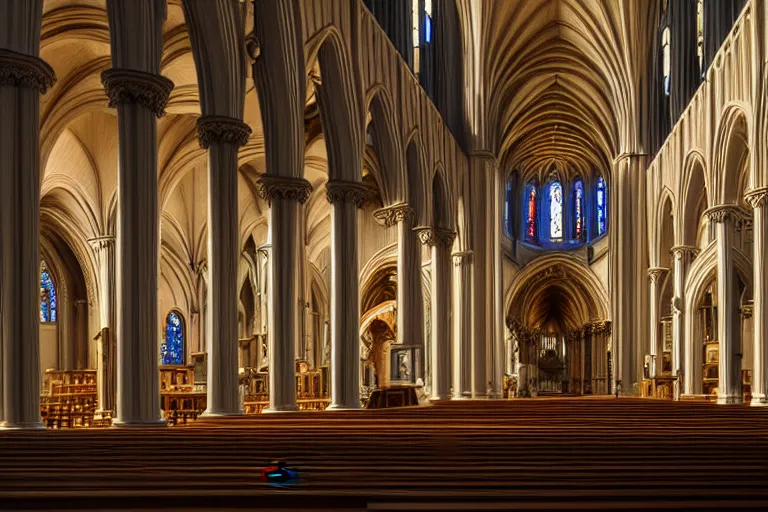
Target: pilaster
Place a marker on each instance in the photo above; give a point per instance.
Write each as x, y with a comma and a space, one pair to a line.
462, 325
656, 277
758, 200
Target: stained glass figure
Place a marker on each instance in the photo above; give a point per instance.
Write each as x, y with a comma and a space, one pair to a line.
47, 297
578, 210
172, 348
600, 196
555, 211
530, 229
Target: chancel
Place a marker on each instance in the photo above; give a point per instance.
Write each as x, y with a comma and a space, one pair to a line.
237, 214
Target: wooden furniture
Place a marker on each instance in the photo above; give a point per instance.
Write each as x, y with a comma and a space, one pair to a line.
395, 396
710, 373
181, 406
746, 385
68, 399
172, 377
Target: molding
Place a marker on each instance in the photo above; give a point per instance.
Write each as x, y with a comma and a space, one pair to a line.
102, 242
130, 86
344, 190
222, 130
391, 215
722, 213
435, 236
270, 186
757, 197
462, 258
22, 70
656, 273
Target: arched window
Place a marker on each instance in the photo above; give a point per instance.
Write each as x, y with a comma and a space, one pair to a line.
555, 211
666, 62
531, 211
700, 34
601, 201
578, 210
507, 209
172, 348
47, 297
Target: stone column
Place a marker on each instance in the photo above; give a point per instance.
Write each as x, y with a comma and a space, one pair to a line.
682, 360
758, 200
724, 218
285, 196
104, 247
222, 136
409, 303
656, 277
462, 325
346, 197
135, 87
23, 78
440, 240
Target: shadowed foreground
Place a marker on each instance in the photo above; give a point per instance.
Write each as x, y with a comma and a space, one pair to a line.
561, 453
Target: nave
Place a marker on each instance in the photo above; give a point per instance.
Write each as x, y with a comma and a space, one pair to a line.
556, 453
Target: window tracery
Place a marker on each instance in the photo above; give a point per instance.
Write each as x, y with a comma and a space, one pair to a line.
578, 210
556, 211
172, 348
48, 299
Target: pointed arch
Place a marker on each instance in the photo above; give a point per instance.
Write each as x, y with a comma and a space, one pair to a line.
695, 198
442, 215
419, 196
386, 139
664, 231
730, 155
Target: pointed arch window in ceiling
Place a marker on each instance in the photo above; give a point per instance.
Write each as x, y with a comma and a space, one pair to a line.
666, 58
172, 349
578, 210
530, 219
601, 200
555, 211
700, 34
48, 307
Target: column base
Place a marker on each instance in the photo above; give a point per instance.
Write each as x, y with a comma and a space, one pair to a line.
440, 398
759, 401
729, 399
343, 407
280, 408
139, 423
466, 395
221, 414
32, 425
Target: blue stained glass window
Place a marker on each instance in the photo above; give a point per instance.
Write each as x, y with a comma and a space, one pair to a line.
172, 349
600, 196
47, 297
530, 223
578, 210
555, 211
427, 28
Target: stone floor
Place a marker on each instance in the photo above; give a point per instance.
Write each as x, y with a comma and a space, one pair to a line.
540, 454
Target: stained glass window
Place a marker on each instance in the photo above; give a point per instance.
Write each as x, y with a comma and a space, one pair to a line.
507, 212
600, 195
666, 59
700, 34
172, 349
47, 297
578, 210
530, 227
555, 211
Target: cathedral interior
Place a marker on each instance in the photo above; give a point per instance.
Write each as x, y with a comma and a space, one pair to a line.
349, 232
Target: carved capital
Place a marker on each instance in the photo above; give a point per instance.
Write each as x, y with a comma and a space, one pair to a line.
684, 251
756, 197
391, 215
426, 235
444, 237
270, 186
722, 213
102, 242
656, 273
21, 70
343, 190
130, 86
462, 258
222, 130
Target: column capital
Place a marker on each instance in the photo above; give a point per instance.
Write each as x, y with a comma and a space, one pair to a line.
756, 197
345, 190
271, 186
722, 213
391, 215
683, 251
102, 242
435, 236
656, 273
462, 258
21, 70
222, 130
131, 86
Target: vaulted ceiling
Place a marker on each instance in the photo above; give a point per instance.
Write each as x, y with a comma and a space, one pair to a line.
563, 80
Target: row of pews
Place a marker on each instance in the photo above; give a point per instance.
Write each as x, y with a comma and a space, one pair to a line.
537, 454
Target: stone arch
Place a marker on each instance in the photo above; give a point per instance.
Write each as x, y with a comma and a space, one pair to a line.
419, 188
695, 198
339, 103
664, 230
442, 212
730, 155
393, 182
